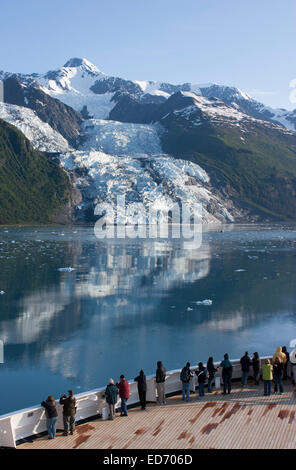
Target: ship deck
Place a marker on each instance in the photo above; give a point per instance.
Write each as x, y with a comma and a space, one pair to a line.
245, 419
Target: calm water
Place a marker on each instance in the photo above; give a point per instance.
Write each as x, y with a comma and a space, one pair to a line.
128, 304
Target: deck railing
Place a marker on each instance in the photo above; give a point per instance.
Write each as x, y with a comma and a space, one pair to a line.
32, 421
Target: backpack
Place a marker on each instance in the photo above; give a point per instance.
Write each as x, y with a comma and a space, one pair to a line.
185, 375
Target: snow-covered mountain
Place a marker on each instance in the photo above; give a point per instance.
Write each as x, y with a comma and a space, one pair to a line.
154, 142
82, 86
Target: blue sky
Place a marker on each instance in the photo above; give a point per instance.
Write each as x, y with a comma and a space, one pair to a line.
249, 44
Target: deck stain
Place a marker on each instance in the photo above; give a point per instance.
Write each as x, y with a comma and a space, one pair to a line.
231, 412
84, 428
158, 428
80, 439
268, 408
223, 408
209, 404
250, 411
183, 435
209, 427
220, 409
140, 431
192, 439
283, 414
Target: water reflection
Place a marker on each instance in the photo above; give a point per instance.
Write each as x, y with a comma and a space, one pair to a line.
128, 304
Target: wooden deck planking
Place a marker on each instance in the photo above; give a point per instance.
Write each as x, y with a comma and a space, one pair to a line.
243, 419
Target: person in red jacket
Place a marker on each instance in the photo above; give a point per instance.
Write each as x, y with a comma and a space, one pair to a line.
124, 394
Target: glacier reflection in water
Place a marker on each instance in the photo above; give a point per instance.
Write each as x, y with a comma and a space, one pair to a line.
129, 303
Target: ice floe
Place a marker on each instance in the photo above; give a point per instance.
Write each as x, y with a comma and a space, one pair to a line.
204, 302
66, 269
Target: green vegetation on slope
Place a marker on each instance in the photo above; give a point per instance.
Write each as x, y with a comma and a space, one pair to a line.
258, 172
32, 188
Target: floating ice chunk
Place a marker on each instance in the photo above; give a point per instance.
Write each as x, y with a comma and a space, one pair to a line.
239, 270
204, 302
189, 309
253, 257
2, 292
66, 269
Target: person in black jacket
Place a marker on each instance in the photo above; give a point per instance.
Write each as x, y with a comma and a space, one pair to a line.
51, 416
211, 371
278, 369
142, 388
201, 378
256, 367
111, 395
284, 350
226, 373
160, 381
245, 365
185, 377
69, 412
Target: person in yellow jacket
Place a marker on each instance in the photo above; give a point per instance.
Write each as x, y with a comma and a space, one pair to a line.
267, 376
279, 353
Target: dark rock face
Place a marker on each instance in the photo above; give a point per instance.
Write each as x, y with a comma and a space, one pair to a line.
13, 92
173, 103
58, 115
114, 84
130, 109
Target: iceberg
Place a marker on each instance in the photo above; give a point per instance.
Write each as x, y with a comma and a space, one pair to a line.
204, 302
66, 269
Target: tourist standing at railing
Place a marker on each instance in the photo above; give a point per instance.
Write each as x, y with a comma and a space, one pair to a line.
185, 377
123, 387
267, 376
142, 388
211, 371
279, 353
278, 370
51, 416
201, 378
111, 394
226, 373
245, 366
69, 412
160, 376
256, 367
284, 350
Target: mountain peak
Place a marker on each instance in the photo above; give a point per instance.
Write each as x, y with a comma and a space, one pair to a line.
84, 63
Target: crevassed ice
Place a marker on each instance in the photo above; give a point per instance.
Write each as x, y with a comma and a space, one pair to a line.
120, 138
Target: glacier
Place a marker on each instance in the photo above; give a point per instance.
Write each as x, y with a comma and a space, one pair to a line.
116, 158
120, 138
